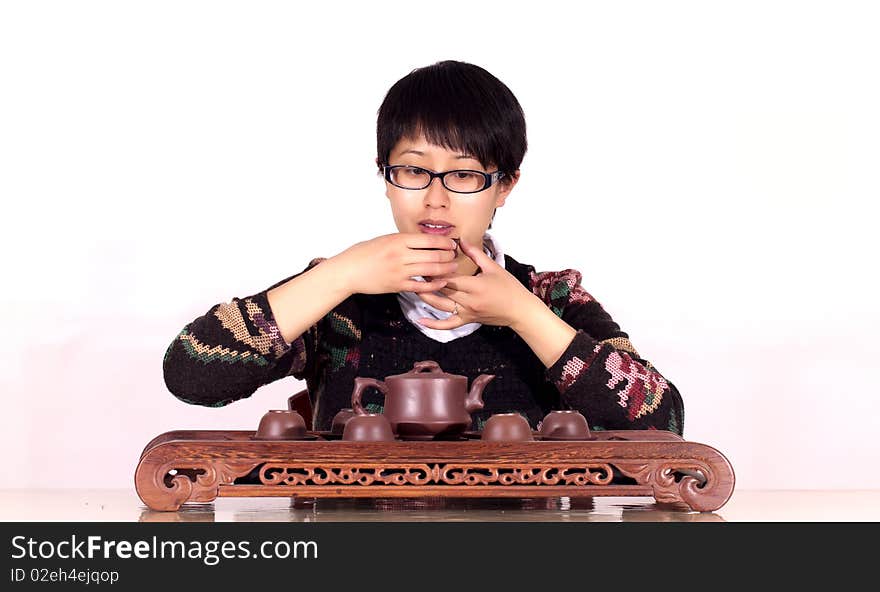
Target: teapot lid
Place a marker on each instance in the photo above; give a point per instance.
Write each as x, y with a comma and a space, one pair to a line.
426, 370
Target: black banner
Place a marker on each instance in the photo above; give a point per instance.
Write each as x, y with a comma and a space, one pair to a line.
129, 556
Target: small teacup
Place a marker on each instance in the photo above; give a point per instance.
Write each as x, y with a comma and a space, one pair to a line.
281, 424
507, 427
370, 427
565, 424
339, 421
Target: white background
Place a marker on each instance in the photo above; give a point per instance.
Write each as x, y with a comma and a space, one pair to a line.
710, 168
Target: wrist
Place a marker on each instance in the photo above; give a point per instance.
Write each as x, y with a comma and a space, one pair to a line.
529, 310
338, 277
546, 334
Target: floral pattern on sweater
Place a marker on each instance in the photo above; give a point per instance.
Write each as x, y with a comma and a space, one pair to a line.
635, 385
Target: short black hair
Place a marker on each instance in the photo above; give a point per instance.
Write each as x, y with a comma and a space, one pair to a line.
459, 106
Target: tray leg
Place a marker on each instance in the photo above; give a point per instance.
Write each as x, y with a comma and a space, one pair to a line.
166, 485
704, 485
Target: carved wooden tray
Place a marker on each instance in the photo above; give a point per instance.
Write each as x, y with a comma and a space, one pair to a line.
198, 466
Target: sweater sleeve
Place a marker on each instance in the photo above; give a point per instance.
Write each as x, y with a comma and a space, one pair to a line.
600, 373
234, 349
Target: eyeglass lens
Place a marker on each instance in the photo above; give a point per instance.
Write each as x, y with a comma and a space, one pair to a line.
416, 178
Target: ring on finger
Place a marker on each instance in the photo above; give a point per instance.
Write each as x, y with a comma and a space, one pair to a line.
455, 309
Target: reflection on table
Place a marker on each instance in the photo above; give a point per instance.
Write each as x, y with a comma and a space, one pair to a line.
579, 509
123, 505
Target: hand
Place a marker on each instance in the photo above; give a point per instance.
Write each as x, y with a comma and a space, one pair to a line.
385, 264
492, 297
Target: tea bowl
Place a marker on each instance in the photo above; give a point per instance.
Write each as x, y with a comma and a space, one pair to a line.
566, 424
281, 424
370, 427
507, 427
339, 420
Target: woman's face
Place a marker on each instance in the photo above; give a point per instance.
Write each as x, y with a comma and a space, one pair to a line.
468, 215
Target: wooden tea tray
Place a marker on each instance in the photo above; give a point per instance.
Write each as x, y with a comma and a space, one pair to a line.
198, 466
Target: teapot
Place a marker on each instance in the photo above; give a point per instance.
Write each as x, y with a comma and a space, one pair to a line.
425, 403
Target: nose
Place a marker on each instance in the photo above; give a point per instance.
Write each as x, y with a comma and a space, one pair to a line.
436, 195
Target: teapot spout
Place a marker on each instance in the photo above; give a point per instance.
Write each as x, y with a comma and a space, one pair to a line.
474, 401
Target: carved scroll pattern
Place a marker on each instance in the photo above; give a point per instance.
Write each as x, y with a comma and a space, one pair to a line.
204, 487
443, 474
272, 474
704, 494
193, 481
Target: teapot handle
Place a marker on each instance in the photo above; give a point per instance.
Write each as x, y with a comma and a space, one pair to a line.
429, 365
359, 385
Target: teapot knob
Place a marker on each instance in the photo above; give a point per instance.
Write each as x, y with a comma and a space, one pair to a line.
429, 365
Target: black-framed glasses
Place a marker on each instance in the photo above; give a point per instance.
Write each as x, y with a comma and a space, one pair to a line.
457, 181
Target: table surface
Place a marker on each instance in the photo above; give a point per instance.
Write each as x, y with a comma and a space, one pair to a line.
123, 505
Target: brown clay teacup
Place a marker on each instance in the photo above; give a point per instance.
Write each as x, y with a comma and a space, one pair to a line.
507, 427
339, 421
370, 427
564, 425
281, 424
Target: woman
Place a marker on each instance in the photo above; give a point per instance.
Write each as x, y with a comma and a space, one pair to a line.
450, 138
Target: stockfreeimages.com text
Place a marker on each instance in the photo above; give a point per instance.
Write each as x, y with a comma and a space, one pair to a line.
210, 552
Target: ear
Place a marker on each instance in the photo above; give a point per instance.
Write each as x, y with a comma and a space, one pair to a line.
505, 188
379, 174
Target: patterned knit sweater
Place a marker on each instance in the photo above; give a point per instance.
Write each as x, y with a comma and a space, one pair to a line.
236, 348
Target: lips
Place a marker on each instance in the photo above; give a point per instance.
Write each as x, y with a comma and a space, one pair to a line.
441, 227
435, 223
446, 231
